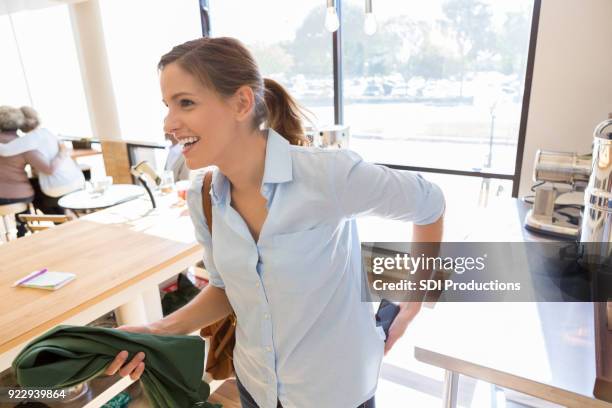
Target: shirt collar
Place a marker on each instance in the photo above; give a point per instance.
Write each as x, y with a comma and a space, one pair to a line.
277, 168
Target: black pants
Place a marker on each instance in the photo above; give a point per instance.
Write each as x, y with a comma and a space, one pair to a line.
21, 226
47, 204
247, 401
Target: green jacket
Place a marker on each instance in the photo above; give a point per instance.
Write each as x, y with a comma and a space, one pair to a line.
69, 355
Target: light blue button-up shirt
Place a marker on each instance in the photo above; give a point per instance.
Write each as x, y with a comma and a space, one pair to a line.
303, 334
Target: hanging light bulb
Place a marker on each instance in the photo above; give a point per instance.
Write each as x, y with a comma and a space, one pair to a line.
331, 18
369, 25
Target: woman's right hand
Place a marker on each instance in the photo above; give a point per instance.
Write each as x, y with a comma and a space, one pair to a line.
136, 366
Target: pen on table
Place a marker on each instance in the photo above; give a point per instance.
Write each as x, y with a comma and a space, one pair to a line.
29, 277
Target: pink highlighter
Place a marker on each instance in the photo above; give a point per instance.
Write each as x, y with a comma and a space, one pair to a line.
29, 277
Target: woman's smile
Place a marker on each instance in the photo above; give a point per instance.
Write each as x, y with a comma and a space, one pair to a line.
187, 142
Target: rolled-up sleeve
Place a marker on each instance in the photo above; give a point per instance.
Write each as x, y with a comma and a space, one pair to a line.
367, 189
196, 212
214, 277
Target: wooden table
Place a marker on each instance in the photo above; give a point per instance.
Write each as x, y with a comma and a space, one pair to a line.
119, 255
546, 350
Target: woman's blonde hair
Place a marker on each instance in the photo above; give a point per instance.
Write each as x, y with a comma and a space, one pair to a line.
24, 118
224, 64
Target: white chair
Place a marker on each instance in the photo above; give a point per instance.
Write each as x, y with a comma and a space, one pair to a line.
7, 212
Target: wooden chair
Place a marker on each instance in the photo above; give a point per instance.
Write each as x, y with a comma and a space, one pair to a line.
36, 222
7, 212
117, 161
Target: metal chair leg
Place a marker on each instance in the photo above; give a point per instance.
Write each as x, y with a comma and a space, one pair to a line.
451, 385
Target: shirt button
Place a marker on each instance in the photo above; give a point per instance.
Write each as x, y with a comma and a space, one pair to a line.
266, 316
268, 348
257, 284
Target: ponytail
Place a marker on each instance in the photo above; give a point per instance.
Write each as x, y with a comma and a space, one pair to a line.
284, 115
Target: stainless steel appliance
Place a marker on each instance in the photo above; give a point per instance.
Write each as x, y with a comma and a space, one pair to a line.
329, 136
596, 237
557, 173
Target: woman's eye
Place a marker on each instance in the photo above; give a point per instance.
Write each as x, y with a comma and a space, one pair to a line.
186, 102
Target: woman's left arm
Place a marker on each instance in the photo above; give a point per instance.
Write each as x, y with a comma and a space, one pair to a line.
423, 237
363, 188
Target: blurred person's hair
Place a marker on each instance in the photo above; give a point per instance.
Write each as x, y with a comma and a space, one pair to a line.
32, 121
12, 119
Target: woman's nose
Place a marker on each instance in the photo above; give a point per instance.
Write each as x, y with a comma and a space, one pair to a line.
170, 125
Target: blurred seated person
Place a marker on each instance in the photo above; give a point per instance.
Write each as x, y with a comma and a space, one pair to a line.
48, 188
175, 160
15, 186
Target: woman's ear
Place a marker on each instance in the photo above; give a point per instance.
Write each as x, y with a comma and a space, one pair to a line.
244, 102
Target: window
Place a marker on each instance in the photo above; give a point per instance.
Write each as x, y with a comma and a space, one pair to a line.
440, 83
290, 44
42, 71
137, 33
13, 87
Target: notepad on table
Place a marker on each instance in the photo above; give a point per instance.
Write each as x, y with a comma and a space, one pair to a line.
49, 280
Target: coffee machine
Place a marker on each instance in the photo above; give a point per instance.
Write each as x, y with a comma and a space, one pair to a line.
556, 174
596, 238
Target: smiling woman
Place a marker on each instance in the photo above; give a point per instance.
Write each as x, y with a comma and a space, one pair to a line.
285, 255
209, 81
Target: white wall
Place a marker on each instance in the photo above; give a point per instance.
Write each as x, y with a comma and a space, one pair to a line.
572, 83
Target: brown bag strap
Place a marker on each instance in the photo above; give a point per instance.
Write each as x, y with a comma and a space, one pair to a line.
229, 333
206, 199
221, 347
